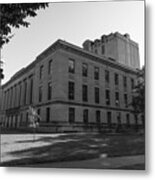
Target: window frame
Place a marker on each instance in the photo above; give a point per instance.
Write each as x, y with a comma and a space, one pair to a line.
84, 69
97, 95
71, 66
71, 115
71, 90
96, 73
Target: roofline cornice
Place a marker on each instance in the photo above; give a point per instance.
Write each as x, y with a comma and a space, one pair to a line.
60, 44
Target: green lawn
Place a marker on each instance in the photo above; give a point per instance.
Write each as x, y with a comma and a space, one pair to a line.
73, 147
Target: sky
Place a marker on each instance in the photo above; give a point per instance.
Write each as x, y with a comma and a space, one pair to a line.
73, 22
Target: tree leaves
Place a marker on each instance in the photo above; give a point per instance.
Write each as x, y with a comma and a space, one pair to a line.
138, 101
14, 15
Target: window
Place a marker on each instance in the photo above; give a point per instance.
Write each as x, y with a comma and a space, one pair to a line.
116, 79
27, 118
97, 99
118, 118
96, 73
38, 112
47, 114
132, 83
85, 116
109, 118
126, 100
50, 67
41, 72
98, 117
71, 90
71, 115
107, 76
128, 119
117, 98
31, 91
25, 91
95, 51
124, 81
49, 93
107, 94
103, 49
84, 69
71, 66
40, 93
84, 93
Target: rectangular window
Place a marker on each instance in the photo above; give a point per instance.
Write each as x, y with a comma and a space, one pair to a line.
109, 118
49, 93
128, 119
116, 79
107, 94
85, 93
107, 80
71, 90
40, 93
97, 95
47, 114
71, 115
85, 116
132, 83
20, 92
118, 118
85, 69
39, 113
98, 117
41, 72
96, 73
25, 91
31, 91
103, 49
126, 100
71, 67
117, 98
124, 81
50, 67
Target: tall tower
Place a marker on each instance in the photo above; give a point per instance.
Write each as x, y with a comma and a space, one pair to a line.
117, 47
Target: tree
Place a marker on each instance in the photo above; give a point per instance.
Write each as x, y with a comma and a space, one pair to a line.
138, 101
14, 15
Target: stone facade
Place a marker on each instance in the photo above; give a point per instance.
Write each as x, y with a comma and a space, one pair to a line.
45, 85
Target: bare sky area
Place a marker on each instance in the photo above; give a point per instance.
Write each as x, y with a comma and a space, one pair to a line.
74, 22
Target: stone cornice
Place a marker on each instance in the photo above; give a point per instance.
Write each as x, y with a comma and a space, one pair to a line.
60, 44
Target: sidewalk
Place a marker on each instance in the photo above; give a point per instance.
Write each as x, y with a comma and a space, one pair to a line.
100, 163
